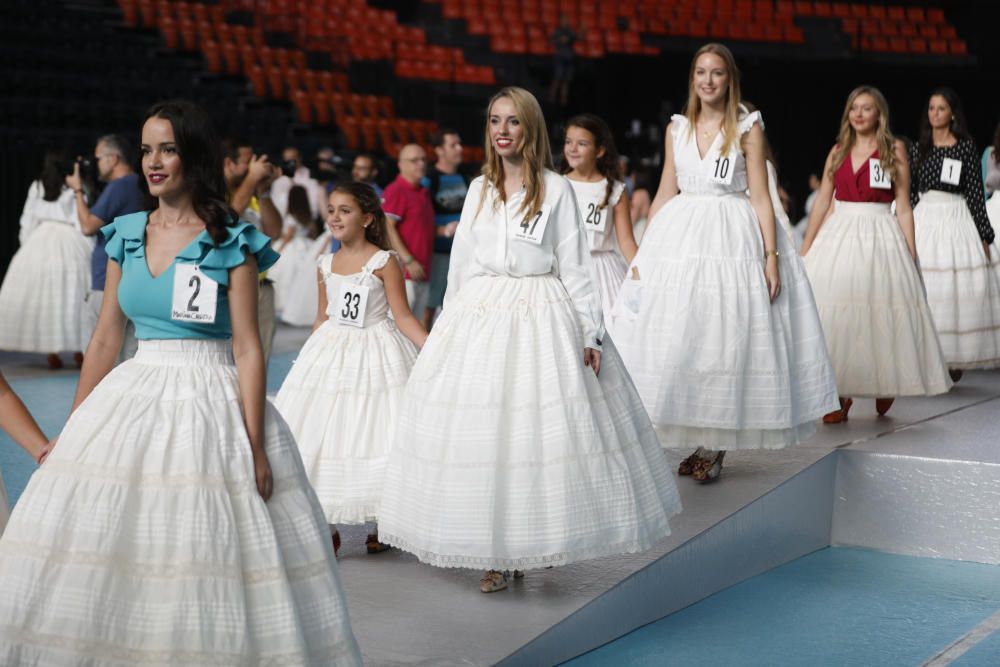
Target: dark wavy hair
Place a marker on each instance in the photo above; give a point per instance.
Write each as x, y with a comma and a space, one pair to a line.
958, 125
996, 144
377, 232
52, 177
201, 155
607, 164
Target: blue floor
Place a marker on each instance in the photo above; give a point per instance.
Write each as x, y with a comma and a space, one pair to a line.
49, 400
833, 607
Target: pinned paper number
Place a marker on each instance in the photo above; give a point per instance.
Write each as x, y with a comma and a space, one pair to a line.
195, 295
722, 170
352, 302
596, 218
951, 171
532, 228
877, 177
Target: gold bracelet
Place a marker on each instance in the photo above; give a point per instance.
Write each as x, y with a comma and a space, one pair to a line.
768, 253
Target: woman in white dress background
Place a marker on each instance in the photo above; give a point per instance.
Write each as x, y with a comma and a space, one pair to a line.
862, 263
341, 398
521, 444
43, 291
590, 162
294, 274
725, 348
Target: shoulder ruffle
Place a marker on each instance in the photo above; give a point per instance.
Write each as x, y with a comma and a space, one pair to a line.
125, 235
379, 260
616, 193
747, 121
241, 239
323, 263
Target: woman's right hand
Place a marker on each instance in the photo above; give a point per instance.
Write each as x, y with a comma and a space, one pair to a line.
46, 450
262, 472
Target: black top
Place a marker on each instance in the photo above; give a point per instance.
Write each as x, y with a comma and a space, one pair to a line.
926, 171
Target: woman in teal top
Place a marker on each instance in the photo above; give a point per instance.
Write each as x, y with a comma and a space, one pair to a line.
173, 524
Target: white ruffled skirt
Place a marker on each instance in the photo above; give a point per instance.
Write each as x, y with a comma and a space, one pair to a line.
716, 363
142, 539
878, 325
963, 286
610, 268
510, 453
296, 282
993, 209
341, 400
43, 291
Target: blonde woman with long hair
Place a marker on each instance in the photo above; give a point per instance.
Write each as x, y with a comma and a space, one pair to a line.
862, 263
715, 319
521, 441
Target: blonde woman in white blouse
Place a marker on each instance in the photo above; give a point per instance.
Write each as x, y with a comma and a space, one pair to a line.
522, 442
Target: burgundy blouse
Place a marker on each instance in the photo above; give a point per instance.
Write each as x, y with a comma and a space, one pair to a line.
854, 187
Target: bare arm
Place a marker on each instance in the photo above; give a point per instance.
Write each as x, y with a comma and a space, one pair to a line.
395, 294
260, 175
821, 205
904, 211
760, 200
668, 178
249, 359
270, 219
396, 241
321, 304
18, 422
623, 228
90, 224
106, 343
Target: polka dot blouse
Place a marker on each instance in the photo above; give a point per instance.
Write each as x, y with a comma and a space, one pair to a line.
926, 170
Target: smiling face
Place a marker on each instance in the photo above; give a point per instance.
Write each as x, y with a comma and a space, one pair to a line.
506, 131
710, 79
580, 148
864, 114
939, 112
345, 219
161, 159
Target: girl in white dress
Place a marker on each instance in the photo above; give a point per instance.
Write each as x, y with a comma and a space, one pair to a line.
862, 263
294, 274
590, 162
22, 428
724, 352
521, 441
342, 396
48, 277
959, 263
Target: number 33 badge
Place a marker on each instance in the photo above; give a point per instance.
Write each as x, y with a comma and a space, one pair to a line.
352, 302
195, 295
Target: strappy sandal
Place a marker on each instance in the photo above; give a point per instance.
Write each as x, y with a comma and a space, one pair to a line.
687, 466
882, 405
518, 574
374, 546
493, 581
839, 416
956, 374
708, 471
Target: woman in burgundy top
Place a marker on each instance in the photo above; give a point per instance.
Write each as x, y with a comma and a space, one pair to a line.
861, 261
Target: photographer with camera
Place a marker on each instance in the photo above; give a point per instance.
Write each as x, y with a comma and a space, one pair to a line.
113, 160
43, 290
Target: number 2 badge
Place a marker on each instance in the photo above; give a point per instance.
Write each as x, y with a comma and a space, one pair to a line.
195, 295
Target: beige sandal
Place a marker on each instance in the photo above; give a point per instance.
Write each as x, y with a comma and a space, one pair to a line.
493, 581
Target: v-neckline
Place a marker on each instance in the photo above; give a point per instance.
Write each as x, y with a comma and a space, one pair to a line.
145, 253
850, 158
697, 148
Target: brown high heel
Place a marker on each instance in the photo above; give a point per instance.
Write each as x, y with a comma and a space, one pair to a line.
956, 374
839, 416
882, 405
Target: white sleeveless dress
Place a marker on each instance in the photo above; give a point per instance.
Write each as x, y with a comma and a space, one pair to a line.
342, 395
599, 222
295, 288
716, 363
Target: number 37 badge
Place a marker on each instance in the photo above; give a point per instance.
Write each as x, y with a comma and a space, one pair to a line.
195, 295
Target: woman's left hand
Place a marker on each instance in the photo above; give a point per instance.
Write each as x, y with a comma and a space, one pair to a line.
772, 277
46, 450
592, 358
262, 471
986, 249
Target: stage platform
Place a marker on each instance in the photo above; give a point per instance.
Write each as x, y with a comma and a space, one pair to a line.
922, 481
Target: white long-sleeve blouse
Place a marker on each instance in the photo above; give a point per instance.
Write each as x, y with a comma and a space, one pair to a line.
486, 244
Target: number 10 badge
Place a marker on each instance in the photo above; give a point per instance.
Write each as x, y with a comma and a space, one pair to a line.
195, 295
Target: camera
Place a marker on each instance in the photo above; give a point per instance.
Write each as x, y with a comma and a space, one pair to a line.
88, 167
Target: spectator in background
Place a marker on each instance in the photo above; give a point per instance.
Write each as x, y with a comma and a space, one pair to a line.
411, 223
562, 40
447, 189
293, 172
326, 170
249, 179
114, 156
364, 170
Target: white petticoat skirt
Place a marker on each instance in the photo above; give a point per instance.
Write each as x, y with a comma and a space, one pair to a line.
610, 268
716, 363
296, 282
341, 400
963, 286
43, 291
510, 453
875, 316
993, 209
142, 539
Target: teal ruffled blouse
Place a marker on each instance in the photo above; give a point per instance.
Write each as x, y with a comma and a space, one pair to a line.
147, 300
